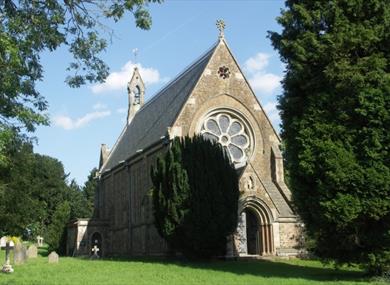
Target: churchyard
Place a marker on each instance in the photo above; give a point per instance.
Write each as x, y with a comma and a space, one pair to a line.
71, 270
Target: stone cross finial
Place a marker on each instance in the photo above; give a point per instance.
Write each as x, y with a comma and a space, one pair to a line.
221, 27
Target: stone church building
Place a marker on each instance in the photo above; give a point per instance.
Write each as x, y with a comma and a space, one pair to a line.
213, 98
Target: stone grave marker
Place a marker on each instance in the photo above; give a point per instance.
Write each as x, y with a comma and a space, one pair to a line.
32, 251
3, 242
20, 254
7, 245
53, 257
95, 250
40, 241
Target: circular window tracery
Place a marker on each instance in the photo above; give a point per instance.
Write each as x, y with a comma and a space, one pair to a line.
231, 133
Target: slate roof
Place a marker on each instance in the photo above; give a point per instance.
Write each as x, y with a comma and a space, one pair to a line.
150, 123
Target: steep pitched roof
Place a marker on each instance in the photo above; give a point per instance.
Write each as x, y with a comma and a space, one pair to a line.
150, 123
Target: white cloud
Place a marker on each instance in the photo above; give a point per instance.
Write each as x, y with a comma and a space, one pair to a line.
68, 123
257, 63
118, 80
99, 106
265, 82
272, 112
259, 79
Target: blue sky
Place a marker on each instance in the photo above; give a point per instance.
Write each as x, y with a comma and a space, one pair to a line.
84, 118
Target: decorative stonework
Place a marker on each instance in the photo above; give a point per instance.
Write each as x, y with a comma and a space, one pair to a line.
224, 72
241, 240
231, 133
249, 184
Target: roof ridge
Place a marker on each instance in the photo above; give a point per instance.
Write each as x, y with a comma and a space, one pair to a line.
187, 69
119, 150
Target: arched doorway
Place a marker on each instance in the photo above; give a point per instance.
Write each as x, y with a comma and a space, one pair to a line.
96, 240
253, 234
254, 231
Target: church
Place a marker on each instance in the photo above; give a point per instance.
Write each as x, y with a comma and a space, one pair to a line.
211, 97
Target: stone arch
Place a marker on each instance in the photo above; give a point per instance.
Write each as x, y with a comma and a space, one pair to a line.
226, 102
255, 227
97, 239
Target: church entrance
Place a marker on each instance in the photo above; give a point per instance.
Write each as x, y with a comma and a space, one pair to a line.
96, 240
253, 233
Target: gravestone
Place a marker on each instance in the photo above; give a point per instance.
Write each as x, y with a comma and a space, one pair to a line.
7, 267
95, 250
53, 257
20, 254
3, 242
40, 240
32, 251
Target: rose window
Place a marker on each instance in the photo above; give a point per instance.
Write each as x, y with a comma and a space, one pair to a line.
230, 133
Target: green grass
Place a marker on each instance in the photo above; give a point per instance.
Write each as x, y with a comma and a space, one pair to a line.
85, 271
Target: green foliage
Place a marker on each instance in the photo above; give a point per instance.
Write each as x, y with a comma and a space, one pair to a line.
195, 197
56, 232
32, 186
29, 28
89, 190
78, 207
335, 114
170, 193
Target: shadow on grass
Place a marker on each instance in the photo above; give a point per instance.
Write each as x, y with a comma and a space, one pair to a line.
262, 268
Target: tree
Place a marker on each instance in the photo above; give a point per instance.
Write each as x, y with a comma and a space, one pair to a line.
20, 205
89, 190
32, 187
56, 233
195, 197
79, 207
335, 124
28, 28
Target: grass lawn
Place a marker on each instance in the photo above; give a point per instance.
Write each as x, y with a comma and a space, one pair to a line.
84, 271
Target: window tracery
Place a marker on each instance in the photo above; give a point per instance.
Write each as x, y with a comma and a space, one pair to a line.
231, 133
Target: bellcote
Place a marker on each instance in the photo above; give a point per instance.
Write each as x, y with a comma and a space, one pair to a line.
136, 92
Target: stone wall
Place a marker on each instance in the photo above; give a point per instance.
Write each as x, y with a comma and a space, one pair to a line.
124, 199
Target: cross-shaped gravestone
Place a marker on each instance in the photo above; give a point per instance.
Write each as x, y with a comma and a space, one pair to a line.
40, 240
95, 250
7, 267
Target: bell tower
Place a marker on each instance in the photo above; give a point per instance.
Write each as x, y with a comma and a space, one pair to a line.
136, 92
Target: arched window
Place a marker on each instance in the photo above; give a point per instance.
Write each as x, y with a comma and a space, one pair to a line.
137, 95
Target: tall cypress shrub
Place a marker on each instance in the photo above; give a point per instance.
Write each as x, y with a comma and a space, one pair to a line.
195, 197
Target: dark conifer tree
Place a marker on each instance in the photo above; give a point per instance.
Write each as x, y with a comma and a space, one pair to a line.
336, 124
195, 197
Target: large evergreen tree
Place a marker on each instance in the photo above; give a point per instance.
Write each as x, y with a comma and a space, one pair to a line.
33, 187
89, 190
336, 124
195, 197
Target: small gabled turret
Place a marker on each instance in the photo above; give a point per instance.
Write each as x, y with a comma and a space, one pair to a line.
104, 153
136, 92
